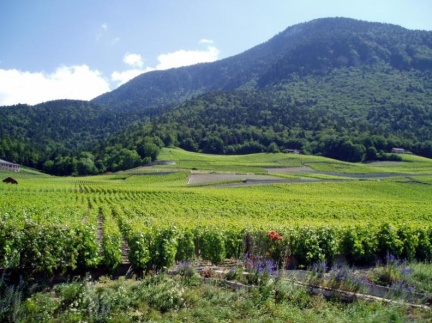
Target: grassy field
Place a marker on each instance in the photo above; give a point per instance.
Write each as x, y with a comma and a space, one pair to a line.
150, 217
257, 163
163, 192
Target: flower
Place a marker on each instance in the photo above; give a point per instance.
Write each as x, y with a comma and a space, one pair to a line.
274, 235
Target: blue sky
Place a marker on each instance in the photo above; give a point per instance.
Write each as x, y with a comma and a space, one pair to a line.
52, 49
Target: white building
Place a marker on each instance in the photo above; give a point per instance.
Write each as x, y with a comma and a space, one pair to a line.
398, 151
9, 166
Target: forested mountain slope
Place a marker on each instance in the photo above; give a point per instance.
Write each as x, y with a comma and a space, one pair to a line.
339, 87
316, 48
31, 135
378, 107
336, 87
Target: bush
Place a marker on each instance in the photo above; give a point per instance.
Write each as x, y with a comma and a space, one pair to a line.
139, 254
234, 244
410, 240
307, 247
162, 293
313, 245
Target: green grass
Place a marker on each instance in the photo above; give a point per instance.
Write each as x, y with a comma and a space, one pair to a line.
163, 193
256, 163
410, 164
253, 163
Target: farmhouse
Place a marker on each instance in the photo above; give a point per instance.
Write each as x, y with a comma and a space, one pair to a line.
9, 166
398, 151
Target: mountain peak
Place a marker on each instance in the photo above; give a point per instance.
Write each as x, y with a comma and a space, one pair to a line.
312, 47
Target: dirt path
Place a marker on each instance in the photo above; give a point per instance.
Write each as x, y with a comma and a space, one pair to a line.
125, 252
203, 178
290, 170
218, 179
99, 233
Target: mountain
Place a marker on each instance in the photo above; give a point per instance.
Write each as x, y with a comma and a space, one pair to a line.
340, 115
339, 87
316, 47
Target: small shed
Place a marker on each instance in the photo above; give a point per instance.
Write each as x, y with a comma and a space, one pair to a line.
10, 180
398, 151
291, 151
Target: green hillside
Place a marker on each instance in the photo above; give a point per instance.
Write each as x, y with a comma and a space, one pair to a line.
317, 114
341, 88
336, 87
31, 135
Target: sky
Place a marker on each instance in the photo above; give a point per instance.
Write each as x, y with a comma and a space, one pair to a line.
63, 49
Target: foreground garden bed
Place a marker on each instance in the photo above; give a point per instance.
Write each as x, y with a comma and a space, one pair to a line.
189, 297
342, 282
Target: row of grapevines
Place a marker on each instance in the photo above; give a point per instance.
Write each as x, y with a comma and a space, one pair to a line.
156, 245
47, 234
112, 239
46, 247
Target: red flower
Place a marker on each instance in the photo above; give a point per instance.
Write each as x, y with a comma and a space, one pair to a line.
274, 235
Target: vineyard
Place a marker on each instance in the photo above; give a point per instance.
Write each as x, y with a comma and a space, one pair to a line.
151, 218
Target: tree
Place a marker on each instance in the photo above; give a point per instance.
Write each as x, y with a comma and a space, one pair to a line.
189, 144
371, 153
273, 148
148, 149
122, 159
351, 152
212, 145
85, 164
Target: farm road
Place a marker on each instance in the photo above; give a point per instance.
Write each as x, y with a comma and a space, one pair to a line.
203, 178
251, 179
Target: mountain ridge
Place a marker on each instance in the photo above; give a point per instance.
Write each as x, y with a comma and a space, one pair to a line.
239, 71
327, 86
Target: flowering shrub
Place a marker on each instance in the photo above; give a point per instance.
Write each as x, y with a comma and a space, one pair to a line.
259, 269
276, 250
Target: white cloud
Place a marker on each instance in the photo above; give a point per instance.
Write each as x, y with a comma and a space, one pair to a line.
187, 57
206, 41
66, 82
133, 60
170, 60
124, 76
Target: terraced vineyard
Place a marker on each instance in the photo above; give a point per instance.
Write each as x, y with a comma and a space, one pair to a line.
151, 217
